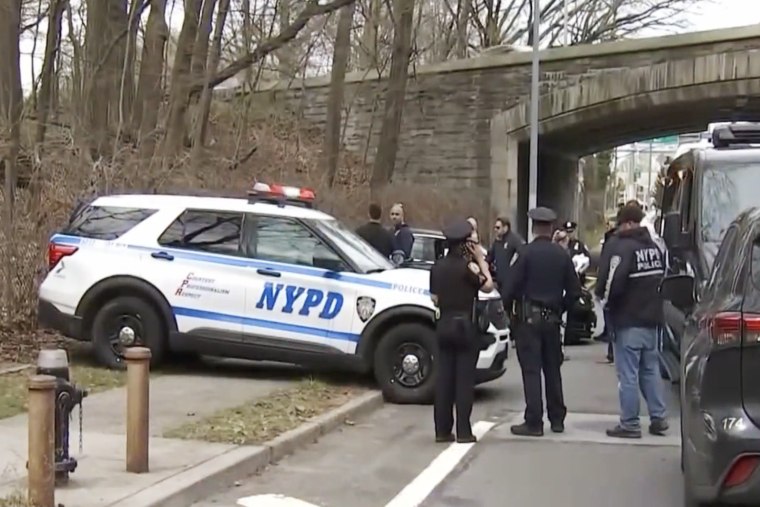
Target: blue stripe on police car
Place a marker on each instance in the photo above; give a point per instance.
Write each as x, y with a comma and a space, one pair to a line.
244, 262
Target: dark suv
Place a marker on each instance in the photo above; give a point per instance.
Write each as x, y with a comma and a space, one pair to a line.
720, 384
704, 191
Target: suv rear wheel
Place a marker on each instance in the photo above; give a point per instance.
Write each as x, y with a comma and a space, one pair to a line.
125, 322
404, 364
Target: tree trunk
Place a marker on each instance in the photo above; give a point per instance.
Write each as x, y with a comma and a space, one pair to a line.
127, 75
368, 50
341, 54
286, 54
387, 148
247, 39
149, 86
11, 108
462, 33
181, 78
105, 50
48, 74
201, 124
200, 50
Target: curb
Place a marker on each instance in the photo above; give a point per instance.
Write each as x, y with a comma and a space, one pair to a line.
15, 369
199, 481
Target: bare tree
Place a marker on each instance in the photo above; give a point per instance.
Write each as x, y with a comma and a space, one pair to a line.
11, 108
210, 68
385, 159
47, 76
341, 56
149, 86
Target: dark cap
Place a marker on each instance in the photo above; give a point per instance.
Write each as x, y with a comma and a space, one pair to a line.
542, 214
459, 230
570, 226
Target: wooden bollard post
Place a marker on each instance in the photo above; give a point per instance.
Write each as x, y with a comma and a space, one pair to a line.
41, 420
138, 399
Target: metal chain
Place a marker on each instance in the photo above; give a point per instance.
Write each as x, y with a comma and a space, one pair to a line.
81, 412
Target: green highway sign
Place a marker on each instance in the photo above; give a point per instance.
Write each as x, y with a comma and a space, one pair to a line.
665, 140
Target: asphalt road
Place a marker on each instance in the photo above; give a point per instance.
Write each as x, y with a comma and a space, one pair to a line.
389, 458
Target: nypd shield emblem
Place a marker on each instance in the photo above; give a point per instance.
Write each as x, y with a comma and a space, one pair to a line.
365, 307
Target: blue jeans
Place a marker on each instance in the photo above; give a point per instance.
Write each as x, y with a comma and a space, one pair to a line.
637, 362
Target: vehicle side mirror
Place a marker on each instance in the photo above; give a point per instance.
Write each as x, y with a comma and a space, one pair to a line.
325, 258
674, 238
679, 290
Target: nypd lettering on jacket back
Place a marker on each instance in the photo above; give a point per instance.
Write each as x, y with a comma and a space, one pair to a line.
648, 262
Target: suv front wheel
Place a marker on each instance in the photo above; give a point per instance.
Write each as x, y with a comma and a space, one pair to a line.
125, 322
404, 364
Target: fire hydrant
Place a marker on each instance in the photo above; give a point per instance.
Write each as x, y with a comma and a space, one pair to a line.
67, 397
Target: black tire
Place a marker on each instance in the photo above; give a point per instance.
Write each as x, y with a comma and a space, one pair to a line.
132, 312
406, 339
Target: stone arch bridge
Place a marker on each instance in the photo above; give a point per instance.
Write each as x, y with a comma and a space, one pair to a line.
465, 122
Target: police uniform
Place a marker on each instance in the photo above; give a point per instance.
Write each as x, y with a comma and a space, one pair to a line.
544, 283
456, 287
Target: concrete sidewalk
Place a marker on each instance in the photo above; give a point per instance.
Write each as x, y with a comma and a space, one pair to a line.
101, 480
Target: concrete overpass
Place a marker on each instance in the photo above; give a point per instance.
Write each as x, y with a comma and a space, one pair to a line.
465, 122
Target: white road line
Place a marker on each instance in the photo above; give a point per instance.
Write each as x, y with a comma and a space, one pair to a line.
272, 501
420, 488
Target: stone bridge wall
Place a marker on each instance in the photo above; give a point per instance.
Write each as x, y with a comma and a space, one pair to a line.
446, 133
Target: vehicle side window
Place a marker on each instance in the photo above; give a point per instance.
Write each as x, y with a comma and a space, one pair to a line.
424, 249
671, 195
686, 206
205, 230
105, 222
285, 240
721, 275
756, 263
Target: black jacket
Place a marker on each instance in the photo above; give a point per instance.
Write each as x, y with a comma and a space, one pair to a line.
377, 236
543, 274
630, 271
502, 253
403, 240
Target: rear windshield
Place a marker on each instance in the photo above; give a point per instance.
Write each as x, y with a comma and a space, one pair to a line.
105, 222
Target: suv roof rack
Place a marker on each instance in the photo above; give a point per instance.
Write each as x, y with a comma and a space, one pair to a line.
739, 133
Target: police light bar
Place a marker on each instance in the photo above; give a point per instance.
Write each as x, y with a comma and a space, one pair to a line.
737, 133
281, 194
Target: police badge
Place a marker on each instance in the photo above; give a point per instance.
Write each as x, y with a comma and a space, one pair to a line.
365, 307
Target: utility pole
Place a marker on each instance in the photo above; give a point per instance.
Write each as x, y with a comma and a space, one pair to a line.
534, 91
648, 193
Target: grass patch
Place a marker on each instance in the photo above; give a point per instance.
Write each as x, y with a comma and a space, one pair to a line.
13, 386
14, 500
267, 417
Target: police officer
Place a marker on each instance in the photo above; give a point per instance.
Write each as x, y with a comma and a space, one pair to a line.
454, 283
544, 281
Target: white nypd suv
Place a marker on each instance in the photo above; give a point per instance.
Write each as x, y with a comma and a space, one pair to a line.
263, 278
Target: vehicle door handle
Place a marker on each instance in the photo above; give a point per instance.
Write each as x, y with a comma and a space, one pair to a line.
268, 272
163, 256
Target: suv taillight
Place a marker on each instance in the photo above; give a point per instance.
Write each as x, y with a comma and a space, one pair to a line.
56, 252
730, 328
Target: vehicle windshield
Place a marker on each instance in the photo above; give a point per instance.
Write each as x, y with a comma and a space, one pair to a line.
727, 190
366, 258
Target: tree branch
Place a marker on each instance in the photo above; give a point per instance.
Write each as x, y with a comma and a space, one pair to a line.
312, 9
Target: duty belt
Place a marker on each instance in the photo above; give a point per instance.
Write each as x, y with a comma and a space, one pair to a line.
536, 314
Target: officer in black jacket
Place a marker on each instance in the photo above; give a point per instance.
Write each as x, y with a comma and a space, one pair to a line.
544, 281
454, 283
